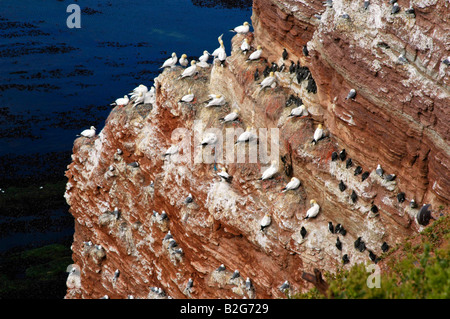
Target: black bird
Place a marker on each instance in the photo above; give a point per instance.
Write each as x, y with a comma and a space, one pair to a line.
401, 197
364, 176
446, 61
338, 244
395, 9
305, 50
342, 186
374, 209
342, 231
413, 203
373, 257
337, 229
188, 199
390, 177
384, 247
353, 196
256, 75
282, 67
292, 67
334, 156
349, 163
357, 242
358, 170
362, 246
221, 268
331, 227
411, 12
266, 71
366, 4
343, 155
274, 67
303, 232
134, 164
424, 215
345, 259
290, 100
284, 55
164, 215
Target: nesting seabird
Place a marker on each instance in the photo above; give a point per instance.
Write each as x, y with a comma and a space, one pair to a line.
402, 59
342, 155
189, 284
338, 244
331, 227
313, 210
256, 75
353, 196
116, 274
224, 175
121, 101
305, 50
395, 8
345, 259
318, 134
284, 286
216, 100
178, 251
265, 222
390, 177
362, 246
231, 117
298, 111
342, 186
364, 176
242, 29
171, 151
357, 242
401, 197
337, 229
366, 4
188, 98
168, 236
190, 71
163, 215
384, 247
351, 94
150, 96
116, 213
424, 215
266, 71
303, 232
216, 51
172, 243
204, 57
89, 133
119, 151
334, 156
358, 170
189, 199
293, 184
170, 62
245, 46
235, 275
345, 16
248, 284
328, 3
222, 55
274, 67
209, 139
410, 11
183, 60
342, 231
373, 257
141, 88
221, 268
413, 203
255, 55
268, 81
139, 99
446, 61
247, 136
134, 164
349, 163
374, 209
379, 171
270, 172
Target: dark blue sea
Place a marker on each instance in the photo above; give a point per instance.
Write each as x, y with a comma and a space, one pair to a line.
56, 81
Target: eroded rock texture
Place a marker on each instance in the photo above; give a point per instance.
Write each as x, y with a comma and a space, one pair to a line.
398, 119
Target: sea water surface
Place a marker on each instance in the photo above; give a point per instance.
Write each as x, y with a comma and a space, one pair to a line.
56, 81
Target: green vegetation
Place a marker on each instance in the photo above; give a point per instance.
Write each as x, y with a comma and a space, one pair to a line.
417, 269
38, 273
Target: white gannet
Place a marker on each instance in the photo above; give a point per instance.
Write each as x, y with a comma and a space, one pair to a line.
190, 71
224, 175
270, 172
222, 55
216, 51
230, 117
170, 62
209, 139
268, 81
265, 222
247, 136
139, 99
88, 133
183, 60
141, 88
204, 57
121, 101
171, 150
313, 211
188, 98
318, 133
298, 111
216, 100
245, 46
150, 96
242, 29
255, 55
293, 184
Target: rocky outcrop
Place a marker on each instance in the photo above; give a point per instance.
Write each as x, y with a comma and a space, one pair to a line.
399, 119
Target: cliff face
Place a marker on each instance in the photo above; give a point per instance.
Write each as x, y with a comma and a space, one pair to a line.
399, 119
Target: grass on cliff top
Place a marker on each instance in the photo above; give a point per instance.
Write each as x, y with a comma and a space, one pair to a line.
419, 268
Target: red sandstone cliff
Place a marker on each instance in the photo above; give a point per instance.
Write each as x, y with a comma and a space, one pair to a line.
399, 119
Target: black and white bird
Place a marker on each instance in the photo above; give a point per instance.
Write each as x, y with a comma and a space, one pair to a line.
424, 215
349, 163
446, 61
351, 94
298, 111
170, 62
230, 117
318, 134
285, 54
172, 150
224, 175
235, 274
331, 227
390, 177
245, 46
364, 176
116, 274
379, 171
189, 199
292, 67
121, 101
358, 170
221, 268
357, 242
354, 196
209, 139
168, 236
411, 12
401, 197
345, 259
313, 210
303, 232
342, 186
256, 55
384, 247
334, 156
413, 203
374, 209
337, 229
189, 284
134, 164
248, 284
270, 172
256, 75
163, 215
342, 155
402, 59
395, 8
373, 257
265, 222
305, 50
366, 4
338, 244
284, 286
